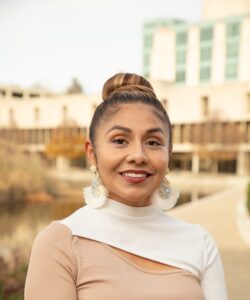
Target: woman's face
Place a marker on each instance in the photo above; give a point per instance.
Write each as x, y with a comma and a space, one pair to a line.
131, 153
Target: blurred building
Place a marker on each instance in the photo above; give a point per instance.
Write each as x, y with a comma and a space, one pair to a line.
201, 72
31, 118
213, 9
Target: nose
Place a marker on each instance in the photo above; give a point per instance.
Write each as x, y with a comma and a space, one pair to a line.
137, 154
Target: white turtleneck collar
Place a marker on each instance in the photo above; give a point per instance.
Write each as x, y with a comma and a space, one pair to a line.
116, 207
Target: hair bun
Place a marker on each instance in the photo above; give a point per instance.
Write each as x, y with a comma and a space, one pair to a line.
126, 82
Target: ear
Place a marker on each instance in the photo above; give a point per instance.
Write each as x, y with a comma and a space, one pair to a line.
89, 149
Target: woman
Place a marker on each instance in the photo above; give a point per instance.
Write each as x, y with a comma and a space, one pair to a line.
121, 245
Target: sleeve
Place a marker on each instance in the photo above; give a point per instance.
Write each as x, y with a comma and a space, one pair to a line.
213, 280
52, 268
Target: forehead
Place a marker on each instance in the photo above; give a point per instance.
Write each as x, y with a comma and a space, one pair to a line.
135, 116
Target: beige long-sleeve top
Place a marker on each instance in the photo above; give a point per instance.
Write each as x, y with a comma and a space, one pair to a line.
67, 267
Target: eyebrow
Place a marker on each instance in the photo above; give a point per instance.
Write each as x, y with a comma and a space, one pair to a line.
151, 130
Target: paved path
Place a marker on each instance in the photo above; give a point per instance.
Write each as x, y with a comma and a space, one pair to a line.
218, 214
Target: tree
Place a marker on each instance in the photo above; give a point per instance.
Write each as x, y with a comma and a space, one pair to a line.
64, 142
75, 87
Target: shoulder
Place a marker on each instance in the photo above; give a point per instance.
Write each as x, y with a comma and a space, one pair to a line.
55, 237
55, 231
197, 240
53, 246
194, 229
184, 228
52, 259
207, 246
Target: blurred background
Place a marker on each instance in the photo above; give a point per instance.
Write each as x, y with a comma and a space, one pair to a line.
55, 57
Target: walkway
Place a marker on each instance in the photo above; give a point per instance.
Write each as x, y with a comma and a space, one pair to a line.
217, 214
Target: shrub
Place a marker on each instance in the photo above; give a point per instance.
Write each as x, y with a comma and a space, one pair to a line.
22, 175
12, 277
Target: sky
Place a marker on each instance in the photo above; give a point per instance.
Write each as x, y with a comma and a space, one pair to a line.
49, 42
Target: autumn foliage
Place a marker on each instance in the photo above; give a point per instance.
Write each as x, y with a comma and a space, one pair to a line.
67, 143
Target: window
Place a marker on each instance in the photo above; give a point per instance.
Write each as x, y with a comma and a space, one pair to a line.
206, 54
2, 93
17, 94
233, 29
65, 113
206, 34
11, 117
232, 49
34, 95
181, 38
181, 43
206, 40
36, 114
231, 70
181, 57
180, 76
205, 106
148, 41
205, 73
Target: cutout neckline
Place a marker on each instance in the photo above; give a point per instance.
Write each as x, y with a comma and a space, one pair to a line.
171, 270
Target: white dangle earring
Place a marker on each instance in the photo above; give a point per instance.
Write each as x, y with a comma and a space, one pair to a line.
95, 195
165, 197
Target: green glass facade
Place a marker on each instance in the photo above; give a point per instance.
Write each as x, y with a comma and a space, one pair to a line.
233, 31
206, 47
206, 50
148, 32
181, 54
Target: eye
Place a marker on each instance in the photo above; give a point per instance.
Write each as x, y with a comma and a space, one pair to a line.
153, 143
119, 141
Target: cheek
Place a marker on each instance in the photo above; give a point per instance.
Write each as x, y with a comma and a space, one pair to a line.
161, 160
107, 161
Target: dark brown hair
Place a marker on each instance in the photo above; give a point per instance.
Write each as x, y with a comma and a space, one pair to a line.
125, 88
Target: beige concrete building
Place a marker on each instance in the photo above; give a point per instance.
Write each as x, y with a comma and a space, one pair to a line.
213, 9
209, 136
31, 118
201, 72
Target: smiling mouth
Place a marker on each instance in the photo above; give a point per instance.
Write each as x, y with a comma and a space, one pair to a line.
135, 178
135, 174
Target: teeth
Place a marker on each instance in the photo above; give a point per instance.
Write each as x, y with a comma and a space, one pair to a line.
134, 175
